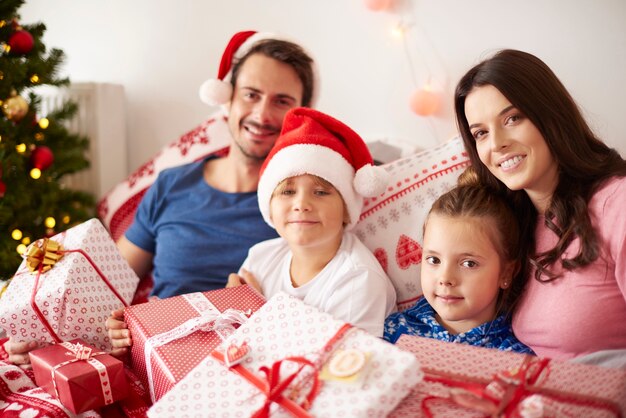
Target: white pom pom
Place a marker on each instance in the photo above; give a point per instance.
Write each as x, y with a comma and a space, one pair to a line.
371, 181
215, 92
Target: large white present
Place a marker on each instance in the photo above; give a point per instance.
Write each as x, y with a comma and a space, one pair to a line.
74, 292
337, 370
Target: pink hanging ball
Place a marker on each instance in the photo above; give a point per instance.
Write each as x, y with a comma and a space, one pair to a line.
425, 102
378, 5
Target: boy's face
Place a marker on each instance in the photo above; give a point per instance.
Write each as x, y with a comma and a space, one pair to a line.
308, 212
461, 271
265, 90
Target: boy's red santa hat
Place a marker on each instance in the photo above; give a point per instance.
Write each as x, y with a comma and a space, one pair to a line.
218, 91
312, 142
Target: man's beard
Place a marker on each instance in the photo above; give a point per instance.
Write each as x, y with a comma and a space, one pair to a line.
258, 126
250, 156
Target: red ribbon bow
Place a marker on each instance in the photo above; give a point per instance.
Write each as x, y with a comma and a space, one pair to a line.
503, 396
275, 388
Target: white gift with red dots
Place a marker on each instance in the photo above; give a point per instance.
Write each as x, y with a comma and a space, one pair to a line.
286, 327
72, 295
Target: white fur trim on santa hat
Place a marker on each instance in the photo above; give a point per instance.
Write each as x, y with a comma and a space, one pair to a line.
318, 160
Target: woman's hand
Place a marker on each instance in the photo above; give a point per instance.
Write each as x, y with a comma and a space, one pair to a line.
118, 333
245, 277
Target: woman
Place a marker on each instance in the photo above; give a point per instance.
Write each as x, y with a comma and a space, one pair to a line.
527, 138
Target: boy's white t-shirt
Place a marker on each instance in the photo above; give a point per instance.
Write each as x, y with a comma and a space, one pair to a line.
352, 287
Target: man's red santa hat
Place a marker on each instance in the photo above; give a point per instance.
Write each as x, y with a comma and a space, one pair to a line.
312, 142
218, 91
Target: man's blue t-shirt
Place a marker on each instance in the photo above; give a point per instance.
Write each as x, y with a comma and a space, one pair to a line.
198, 235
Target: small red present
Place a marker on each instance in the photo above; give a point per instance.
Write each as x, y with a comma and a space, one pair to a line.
78, 375
462, 380
171, 336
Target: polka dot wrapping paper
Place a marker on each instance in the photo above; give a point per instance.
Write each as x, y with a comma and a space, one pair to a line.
561, 389
72, 295
287, 327
171, 361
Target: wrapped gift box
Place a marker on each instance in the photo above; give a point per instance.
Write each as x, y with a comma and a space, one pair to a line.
166, 332
79, 376
552, 388
72, 295
286, 332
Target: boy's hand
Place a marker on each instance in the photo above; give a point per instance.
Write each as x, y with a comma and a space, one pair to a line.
118, 333
18, 352
246, 277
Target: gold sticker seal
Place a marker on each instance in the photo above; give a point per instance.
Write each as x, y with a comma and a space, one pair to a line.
346, 363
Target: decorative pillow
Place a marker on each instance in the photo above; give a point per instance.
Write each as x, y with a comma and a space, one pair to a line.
391, 224
117, 209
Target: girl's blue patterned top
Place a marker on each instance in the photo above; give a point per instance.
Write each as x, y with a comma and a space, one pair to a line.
420, 320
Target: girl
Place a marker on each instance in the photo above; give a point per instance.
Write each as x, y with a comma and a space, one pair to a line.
309, 192
527, 138
471, 244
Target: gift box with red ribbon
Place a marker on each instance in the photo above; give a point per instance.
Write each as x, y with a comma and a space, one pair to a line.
81, 377
66, 288
462, 380
290, 359
171, 336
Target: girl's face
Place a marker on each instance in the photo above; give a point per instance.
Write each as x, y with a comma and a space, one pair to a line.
462, 271
308, 212
510, 145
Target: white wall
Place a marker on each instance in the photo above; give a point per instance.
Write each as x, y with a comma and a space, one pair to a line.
162, 50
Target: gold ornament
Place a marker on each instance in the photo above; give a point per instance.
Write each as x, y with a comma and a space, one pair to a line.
15, 108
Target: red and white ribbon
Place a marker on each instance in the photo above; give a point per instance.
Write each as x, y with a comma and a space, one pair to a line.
81, 352
210, 320
279, 391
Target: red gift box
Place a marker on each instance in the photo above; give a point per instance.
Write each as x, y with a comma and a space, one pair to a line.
78, 375
177, 333
462, 380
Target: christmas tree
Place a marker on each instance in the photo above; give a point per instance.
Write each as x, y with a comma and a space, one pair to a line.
36, 152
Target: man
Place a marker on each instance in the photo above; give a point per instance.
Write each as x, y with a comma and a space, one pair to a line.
196, 223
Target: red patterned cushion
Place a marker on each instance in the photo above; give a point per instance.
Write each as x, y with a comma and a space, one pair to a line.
391, 224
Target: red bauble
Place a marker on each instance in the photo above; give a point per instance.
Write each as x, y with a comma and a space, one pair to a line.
41, 157
21, 42
3, 188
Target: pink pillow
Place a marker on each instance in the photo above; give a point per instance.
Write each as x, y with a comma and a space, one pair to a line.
391, 224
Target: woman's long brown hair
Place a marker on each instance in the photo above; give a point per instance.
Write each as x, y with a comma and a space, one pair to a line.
584, 161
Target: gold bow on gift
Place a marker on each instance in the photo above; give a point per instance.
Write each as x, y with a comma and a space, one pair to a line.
48, 253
